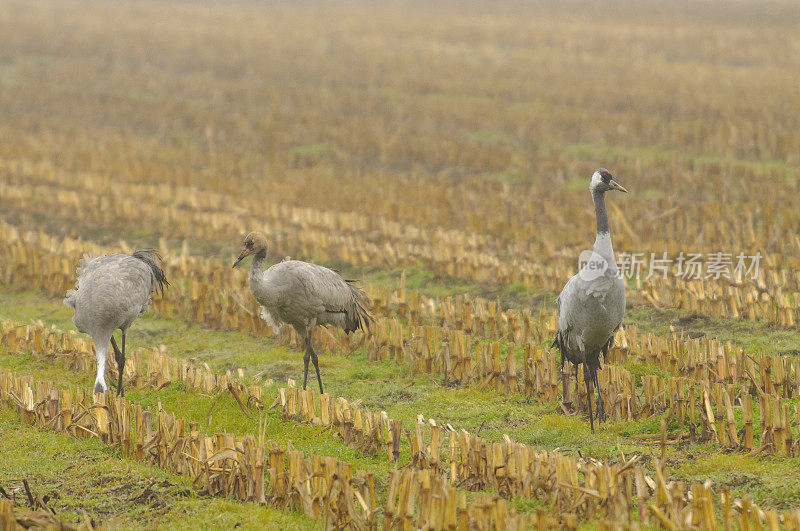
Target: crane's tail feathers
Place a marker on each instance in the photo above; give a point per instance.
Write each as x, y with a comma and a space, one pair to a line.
271, 321
152, 259
557, 343
359, 315
69, 300
84, 266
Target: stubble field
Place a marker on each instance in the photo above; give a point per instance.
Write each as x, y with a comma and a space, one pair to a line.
441, 155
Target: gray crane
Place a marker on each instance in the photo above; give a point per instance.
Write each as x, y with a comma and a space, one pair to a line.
303, 295
592, 304
110, 293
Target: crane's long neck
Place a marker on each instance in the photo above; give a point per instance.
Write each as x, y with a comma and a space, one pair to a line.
602, 243
258, 285
258, 264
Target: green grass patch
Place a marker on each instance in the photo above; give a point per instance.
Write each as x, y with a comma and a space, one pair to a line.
86, 477
396, 389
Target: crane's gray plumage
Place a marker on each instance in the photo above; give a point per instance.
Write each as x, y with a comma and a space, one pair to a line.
110, 293
304, 296
592, 304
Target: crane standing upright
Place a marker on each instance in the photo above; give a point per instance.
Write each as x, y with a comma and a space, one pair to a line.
592, 304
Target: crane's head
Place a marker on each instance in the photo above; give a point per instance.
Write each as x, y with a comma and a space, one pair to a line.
602, 181
254, 243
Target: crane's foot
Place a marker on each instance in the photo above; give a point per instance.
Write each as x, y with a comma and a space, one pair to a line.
601, 409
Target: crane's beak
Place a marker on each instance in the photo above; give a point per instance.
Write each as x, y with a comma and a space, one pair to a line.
616, 186
245, 252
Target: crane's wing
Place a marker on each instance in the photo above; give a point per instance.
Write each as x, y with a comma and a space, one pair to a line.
607, 291
121, 279
570, 305
313, 292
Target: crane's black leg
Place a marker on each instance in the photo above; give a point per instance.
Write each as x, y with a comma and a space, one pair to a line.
119, 356
306, 359
587, 378
316, 365
601, 407
564, 384
117, 353
120, 390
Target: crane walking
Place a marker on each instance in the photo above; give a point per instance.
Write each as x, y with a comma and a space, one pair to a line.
303, 295
592, 304
110, 293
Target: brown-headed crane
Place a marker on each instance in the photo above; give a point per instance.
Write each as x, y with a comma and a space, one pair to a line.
304, 296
